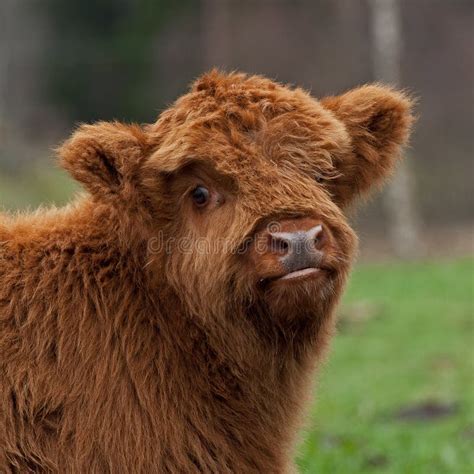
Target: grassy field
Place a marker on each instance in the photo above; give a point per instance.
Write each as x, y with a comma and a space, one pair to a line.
397, 393
40, 184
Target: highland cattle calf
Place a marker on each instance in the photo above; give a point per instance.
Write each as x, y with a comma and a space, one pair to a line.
170, 319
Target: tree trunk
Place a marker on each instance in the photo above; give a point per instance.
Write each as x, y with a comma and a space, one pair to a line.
399, 200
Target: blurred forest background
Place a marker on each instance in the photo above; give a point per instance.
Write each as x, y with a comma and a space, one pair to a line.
398, 393
65, 62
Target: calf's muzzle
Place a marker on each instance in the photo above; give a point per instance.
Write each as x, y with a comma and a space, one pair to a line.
298, 249
289, 246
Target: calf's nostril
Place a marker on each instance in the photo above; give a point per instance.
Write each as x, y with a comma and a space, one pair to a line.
319, 241
318, 236
278, 244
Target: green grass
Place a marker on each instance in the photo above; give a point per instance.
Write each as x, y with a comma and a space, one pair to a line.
36, 185
417, 346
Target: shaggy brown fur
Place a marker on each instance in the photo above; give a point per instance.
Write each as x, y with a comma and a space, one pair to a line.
123, 346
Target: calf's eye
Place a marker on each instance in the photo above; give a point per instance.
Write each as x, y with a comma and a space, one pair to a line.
200, 196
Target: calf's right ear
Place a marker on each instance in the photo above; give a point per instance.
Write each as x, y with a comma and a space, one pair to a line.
378, 120
105, 157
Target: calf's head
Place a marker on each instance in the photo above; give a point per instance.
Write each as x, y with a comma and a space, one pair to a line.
244, 184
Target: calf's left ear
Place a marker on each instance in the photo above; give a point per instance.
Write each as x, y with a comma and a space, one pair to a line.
105, 157
378, 120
